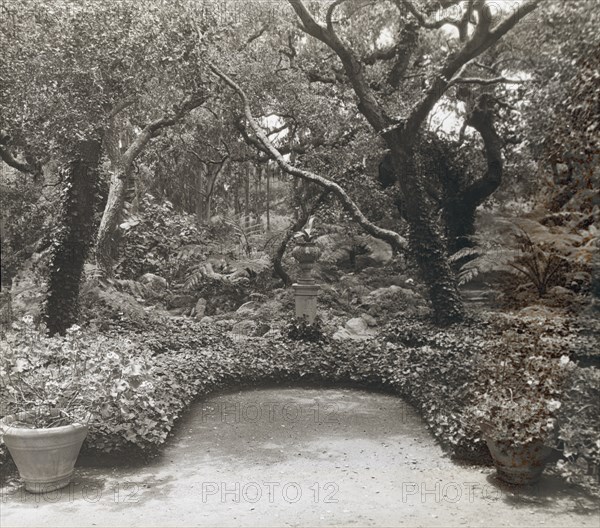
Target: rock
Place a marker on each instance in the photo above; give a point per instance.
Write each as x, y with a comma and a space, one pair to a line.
200, 308
225, 324
176, 312
381, 254
539, 311
244, 328
356, 329
559, 297
357, 326
390, 293
207, 320
390, 290
369, 319
155, 282
259, 297
248, 308
261, 329
559, 291
181, 301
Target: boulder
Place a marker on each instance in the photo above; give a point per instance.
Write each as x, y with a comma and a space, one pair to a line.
355, 329
181, 301
381, 254
225, 324
200, 308
357, 326
262, 329
559, 291
248, 308
244, 328
157, 283
369, 319
539, 311
559, 297
389, 290
259, 297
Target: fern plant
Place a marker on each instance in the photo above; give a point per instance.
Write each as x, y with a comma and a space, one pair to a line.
246, 233
537, 253
239, 269
342, 245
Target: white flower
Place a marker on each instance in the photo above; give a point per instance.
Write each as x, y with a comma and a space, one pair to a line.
111, 356
20, 365
564, 360
553, 405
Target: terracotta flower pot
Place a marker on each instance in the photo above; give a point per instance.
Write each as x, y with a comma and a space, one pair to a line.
519, 464
45, 458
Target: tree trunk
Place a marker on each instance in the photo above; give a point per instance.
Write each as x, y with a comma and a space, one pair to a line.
426, 242
120, 179
119, 183
459, 211
236, 196
110, 221
268, 201
213, 175
199, 198
74, 238
247, 197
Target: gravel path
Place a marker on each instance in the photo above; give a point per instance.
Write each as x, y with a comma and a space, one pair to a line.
298, 457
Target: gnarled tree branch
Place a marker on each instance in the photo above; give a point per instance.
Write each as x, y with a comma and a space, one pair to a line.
484, 82
120, 177
367, 102
482, 39
392, 238
29, 166
421, 19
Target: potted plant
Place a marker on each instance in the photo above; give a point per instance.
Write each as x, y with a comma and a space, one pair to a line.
518, 399
306, 251
52, 390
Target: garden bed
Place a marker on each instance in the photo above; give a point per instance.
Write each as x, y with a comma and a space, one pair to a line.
435, 370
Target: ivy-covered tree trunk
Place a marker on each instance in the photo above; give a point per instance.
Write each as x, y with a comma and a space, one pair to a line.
461, 202
425, 239
74, 237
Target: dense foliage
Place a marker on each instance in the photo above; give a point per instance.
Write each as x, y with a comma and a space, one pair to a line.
441, 372
450, 170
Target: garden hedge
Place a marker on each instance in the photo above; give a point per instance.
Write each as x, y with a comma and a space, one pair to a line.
435, 370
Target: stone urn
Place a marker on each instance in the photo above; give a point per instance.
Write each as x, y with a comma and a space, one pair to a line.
306, 254
306, 289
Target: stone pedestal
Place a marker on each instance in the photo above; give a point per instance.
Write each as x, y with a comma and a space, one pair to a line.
306, 300
306, 289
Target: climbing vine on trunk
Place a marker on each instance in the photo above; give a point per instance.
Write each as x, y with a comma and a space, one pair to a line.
73, 237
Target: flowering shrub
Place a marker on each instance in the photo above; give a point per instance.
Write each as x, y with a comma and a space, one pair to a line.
579, 427
61, 380
440, 372
525, 371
